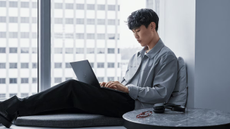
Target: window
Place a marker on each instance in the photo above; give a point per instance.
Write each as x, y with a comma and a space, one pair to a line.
13, 4
34, 65
57, 80
90, 36
118, 50
24, 65
111, 7
100, 36
101, 50
2, 19
68, 78
90, 21
25, 4
101, 7
13, 65
80, 36
80, 6
110, 65
25, 34
100, 65
2, 80
2, 34
34, 5
13, 34
2, 4
58, 5
2, 65
67, 65
69, 20
2, 50
24, 80
110, 78
69, 6
90, 50
13, 80
101, 21
23, 95
79, 50
111, 22
90, 6
34, 80
91, 64
79, 21
34, 50
12, 94
58, 50
25, 20
13, 19
34, 20
111, 50
58, 21
100, 79
111, 36
2, 96
24, 50
69, 50
58, 65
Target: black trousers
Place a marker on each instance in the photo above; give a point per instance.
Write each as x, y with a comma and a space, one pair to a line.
75, 96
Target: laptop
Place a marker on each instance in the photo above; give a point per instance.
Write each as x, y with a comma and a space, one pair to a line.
84, 73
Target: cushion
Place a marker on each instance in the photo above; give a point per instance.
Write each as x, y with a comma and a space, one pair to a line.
68, 120
179, 95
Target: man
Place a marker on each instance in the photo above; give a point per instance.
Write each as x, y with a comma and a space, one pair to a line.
150, 78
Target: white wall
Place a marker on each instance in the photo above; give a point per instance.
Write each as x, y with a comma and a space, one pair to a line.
179, 35
212, 73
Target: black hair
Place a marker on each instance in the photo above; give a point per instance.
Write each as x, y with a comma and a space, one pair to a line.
142, 17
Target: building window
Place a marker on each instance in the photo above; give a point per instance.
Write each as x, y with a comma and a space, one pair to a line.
101, 7
100, 50
110, 78
111, 22
100, 36
100, 65
57, 80
111, 36
13, 19
80, 36
92, 64
58, 50
2, 34
67, 65
79, 50
2, 65
23, 95
2, 3
24, 65
13, 65
34, 4
13, 4
68, 78
34, 80
2, 96
24, 50
2, 19
34, 50
58, 20
118, 50
69, 50
91, 21
110, 65
57, 65
25, 20
58, 5
2, 50
24, 80
80, 6
13, 34
13, 80
2, 81
111, 7
101, 21
69, 20
68, 6
12, 94
80, 21
90, 7
90, 50
111, 50
90, 36
100, 79
25, 34
25, 4
34, 65
34, 20
69, 35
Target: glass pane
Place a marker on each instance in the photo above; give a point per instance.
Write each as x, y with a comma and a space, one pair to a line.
18, 45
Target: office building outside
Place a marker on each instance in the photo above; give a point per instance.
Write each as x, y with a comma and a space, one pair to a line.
79, 30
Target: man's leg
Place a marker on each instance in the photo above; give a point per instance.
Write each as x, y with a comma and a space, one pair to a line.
75, 94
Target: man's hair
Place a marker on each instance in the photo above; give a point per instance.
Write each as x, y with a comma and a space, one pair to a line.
142, 17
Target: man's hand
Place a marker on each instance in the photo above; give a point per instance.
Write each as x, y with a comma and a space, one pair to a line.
115, 85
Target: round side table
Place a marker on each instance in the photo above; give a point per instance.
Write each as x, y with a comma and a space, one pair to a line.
191, 118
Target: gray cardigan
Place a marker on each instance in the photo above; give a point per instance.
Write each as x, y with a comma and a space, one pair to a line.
151, 80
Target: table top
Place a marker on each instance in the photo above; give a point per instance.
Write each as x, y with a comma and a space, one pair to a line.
191, 118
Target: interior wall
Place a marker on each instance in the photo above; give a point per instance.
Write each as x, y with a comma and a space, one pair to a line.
212, 54
179, 36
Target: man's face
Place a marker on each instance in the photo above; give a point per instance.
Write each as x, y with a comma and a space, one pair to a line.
144, 35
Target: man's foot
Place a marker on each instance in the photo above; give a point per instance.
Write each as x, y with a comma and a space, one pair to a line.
7, 117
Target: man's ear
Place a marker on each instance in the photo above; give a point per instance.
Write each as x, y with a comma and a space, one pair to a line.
153, 25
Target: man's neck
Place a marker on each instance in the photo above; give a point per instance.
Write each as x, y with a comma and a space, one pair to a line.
153, 43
